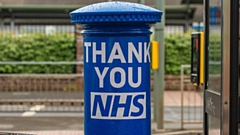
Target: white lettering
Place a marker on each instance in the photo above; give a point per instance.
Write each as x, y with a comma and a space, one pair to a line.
87, 44
118, 75
101, 76
146, 52
130, 77
113, 55
101, 52
121, 106
113, 78
132, 50
140, 52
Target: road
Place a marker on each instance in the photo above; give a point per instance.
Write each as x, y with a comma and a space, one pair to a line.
16, 121
69, 119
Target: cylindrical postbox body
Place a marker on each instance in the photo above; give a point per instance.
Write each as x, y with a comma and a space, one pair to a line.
116, 67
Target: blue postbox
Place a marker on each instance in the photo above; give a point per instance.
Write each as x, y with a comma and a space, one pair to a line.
116, 40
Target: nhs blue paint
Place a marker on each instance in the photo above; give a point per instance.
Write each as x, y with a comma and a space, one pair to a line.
116, 67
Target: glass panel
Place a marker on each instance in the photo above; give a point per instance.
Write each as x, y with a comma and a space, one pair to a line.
239, 68
215, 46
215, 54
214, 126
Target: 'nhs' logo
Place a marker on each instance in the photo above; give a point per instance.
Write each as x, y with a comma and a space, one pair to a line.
118, 105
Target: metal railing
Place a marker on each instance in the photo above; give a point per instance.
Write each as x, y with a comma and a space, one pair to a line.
47, 29
41, 92
191, 102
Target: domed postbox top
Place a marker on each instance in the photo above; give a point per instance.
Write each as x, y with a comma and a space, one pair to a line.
115, 12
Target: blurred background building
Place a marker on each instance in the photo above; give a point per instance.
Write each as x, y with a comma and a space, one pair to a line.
180, 14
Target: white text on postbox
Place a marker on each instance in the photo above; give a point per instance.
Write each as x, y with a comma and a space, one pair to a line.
118, 105
138, 52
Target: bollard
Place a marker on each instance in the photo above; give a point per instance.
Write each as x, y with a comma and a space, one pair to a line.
116, 67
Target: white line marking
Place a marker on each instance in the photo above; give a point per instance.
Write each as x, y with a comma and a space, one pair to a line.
25, 114
44, 114
37, 108
20, 93
6, 126
171, 112
32, 110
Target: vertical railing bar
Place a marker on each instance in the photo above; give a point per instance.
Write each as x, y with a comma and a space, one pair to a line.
53, 83
182, 109
58, 90
35, 88
50, 91
64, 90
25, 90
54, 89
4, 91
11, 90
77, 90
18, 90
201, 117
67, 85
69, 92
8, 89
189, 105
21, 90
41, 88
195, 104
28, 89
47, 92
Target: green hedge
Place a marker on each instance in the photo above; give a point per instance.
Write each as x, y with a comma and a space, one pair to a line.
214, 53
178, 52
62, 47
37, 47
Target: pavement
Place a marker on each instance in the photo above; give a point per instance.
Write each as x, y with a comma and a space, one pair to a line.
71, 123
